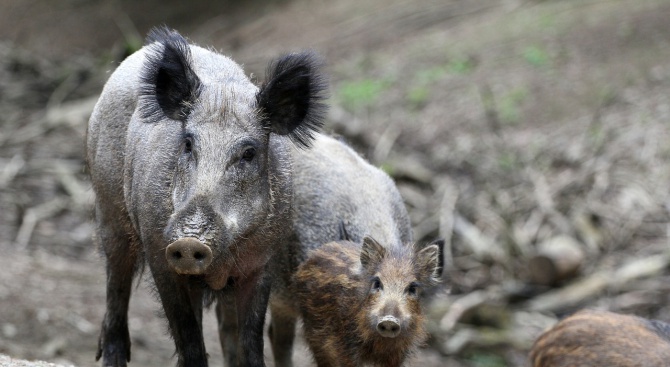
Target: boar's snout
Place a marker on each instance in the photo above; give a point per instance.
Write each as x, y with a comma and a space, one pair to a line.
388, 327
188, 256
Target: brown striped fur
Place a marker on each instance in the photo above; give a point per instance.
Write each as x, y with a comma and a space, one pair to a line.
598, 338
341, 306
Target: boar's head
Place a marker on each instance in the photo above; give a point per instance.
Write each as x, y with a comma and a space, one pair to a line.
229, 175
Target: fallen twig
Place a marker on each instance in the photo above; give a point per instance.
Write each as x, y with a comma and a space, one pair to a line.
483, 247
36, 214
446, 221
81, 197
11, 169
385, 143
594, 284
75, 114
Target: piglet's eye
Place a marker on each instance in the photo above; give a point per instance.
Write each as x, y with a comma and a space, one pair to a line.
376, 285
413, 288
249, 154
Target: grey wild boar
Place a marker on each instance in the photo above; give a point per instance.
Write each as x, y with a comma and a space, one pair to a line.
361, 304
336, 195
191, 166
333, 186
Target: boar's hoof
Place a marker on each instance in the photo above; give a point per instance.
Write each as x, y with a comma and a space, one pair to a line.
188, 256
388, 327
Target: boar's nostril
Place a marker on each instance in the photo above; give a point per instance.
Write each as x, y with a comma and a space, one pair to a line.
188, 256
388, 327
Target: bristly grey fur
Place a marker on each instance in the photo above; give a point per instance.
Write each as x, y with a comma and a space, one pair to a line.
296, 78
169, 85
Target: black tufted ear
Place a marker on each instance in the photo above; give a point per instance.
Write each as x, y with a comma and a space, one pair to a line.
291, 100
169, 84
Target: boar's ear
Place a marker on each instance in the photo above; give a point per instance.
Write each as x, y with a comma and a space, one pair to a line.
428, 264
291, 101
372, 253
169, 84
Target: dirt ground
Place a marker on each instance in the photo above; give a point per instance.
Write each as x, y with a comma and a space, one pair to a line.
506, 124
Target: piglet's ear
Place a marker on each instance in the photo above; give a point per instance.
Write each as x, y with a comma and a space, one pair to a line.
291, 101
440, 255
169, 84
372, 253
428, 263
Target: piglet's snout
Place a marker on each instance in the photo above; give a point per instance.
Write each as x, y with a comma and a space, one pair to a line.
388, 326
188, 256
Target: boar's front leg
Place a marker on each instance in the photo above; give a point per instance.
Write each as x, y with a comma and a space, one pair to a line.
282, 335
226, 315
251, 300
121, 254
183, 309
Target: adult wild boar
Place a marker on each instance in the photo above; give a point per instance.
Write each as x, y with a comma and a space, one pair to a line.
190, 165
335, 190
337, 195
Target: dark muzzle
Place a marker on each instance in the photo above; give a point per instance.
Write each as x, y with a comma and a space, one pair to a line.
188, 256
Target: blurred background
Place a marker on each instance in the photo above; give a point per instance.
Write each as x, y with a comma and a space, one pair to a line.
532, 135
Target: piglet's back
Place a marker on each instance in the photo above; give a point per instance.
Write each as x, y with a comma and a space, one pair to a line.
598, 338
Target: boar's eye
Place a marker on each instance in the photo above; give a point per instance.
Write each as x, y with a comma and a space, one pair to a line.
188, 144
376, 285
249, 154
